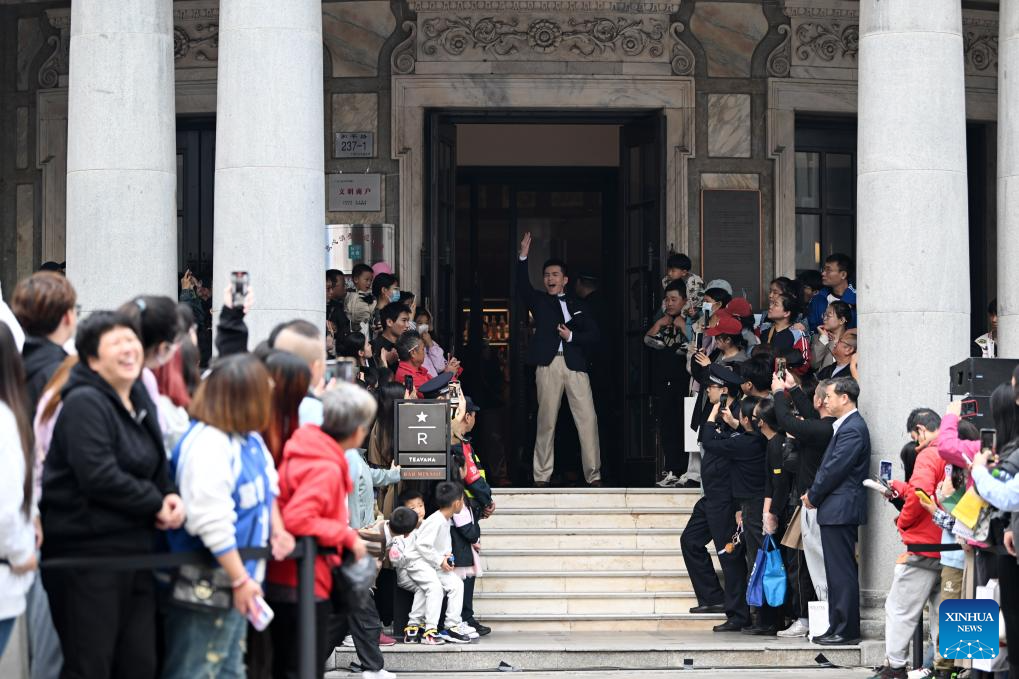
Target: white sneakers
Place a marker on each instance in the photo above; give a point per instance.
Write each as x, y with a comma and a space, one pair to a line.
668, 481
797, 629
381, 674
348, 641
469, 631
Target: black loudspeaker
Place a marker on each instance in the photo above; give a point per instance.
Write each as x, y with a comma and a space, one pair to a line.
977, 378
980, 376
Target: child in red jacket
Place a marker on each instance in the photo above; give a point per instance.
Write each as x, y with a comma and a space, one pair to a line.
314, 483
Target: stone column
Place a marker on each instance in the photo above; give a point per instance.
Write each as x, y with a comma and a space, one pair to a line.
912, 232
270, 155
1008, 179
121, 152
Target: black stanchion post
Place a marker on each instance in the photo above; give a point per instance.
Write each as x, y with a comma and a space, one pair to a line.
918, 644
307, 663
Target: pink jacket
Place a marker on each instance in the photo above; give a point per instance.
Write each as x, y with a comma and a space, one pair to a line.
952, 448
43, 435
435, 359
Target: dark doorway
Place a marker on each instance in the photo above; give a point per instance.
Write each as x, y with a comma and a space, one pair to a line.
196, 170
576, 213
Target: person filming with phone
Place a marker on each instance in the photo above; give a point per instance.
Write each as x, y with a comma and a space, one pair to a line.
917, 579
564, 334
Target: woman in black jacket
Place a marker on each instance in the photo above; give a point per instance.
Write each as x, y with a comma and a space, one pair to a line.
106, 492
811, 431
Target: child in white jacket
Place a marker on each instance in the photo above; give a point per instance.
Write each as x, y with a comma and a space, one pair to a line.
424, 565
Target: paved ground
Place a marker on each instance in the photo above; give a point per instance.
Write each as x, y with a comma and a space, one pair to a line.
816, 673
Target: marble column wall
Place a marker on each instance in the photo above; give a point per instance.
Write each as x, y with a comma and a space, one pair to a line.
121, 154
1008, 180
912, 231
270, 186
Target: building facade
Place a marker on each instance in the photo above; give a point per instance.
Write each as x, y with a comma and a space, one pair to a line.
756, 135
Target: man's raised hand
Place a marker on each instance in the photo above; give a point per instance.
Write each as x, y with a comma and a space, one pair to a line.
525, 245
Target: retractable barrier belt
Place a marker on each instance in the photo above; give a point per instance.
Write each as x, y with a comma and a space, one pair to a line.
993, 549
304, 553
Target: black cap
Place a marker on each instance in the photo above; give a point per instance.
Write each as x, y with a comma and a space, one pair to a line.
436, 386
719, 374
472, 407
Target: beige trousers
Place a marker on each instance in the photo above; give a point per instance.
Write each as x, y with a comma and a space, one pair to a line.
552, 380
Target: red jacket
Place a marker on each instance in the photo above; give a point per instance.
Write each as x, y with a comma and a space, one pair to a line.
915, 524
420, 375
314, 483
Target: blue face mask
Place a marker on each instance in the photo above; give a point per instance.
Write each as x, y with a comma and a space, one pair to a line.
394, 295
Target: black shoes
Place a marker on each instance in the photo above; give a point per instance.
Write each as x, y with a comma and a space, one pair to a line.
727, 626
708, 608
482, 630
836, 640
757, 631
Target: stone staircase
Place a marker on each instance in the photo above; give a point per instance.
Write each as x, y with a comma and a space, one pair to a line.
577, 579
586, 560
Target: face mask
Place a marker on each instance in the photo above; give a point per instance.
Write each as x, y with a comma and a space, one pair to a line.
708, 307
423, 328
394, 295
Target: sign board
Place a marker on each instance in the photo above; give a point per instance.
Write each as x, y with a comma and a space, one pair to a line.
430, 459
423, 473
354, 145
354, 193
422, 438
350, 244
731, 237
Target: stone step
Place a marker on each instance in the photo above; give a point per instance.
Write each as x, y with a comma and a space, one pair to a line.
597, 560
594, 517
592, 498
568, 582
621, 647
488, 604
582, 538
601, 622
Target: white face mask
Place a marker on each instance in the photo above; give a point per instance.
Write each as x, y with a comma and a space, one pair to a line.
423, 328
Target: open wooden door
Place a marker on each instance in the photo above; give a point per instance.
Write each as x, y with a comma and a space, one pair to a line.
642, 163
438, 283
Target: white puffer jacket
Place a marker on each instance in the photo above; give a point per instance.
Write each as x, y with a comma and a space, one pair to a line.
17, 537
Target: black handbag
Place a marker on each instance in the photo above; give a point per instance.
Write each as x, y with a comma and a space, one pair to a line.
202, 588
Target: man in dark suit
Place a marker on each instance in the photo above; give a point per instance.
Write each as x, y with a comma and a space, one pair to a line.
564, 331
838, 494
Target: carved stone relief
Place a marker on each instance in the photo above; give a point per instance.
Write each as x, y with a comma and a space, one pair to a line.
980, 46
683, 60
53, 72
543, 30
404, 56
780, 58
195, 34
825, 42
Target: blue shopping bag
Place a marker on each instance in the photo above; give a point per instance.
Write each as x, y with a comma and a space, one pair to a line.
774, 573
755, 586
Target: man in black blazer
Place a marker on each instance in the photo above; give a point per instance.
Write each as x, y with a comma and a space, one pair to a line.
565, 331
839, 496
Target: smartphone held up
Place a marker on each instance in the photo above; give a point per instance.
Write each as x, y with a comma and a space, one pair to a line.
239, 282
